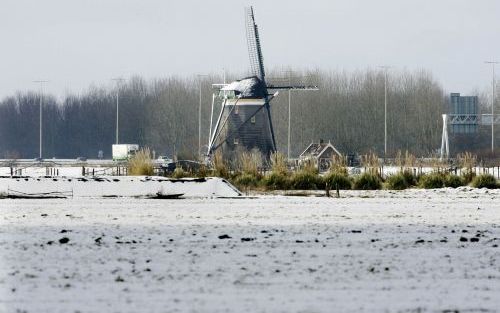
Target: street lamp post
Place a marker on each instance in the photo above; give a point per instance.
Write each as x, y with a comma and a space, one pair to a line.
41, 82
118, 81
199, 112
289, 115
493, 98
385, 67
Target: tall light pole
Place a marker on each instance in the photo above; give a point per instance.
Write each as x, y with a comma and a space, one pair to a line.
385, 68
199, 112
289, 114
493, 98
118, 80
41, 82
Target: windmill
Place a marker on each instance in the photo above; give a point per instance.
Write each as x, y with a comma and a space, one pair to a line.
244, 121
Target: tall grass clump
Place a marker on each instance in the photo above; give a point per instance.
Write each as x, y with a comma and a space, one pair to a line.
338, 177
140, 163
431, 180
244, 181
397, 182
247, 169
467, 161
307, 178
453, 181
179, 172
249, 162
484, 181
335, 180
371, 163
367, 181
401, 180
220, 167
278, 179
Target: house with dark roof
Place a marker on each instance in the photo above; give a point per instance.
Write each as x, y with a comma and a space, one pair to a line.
321, 153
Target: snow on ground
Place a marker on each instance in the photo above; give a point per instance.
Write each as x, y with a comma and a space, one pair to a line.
425, 251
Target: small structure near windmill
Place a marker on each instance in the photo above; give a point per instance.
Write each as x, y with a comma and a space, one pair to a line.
244, 122
320, 153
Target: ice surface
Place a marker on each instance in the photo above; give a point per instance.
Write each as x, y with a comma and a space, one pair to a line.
370, 251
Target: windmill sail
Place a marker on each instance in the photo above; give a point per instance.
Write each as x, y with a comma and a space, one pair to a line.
254, 48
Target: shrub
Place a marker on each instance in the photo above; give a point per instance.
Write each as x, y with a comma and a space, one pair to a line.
431, 181
468, 176
367, 181
484, 181
306, 180
336, 179
276, 181
397, 182
140, 163
410, 179
453, 181
246, 180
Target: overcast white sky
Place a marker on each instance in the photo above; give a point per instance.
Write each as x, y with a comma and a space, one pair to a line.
76, 43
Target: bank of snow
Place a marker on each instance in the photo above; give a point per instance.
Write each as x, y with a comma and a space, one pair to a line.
117, 186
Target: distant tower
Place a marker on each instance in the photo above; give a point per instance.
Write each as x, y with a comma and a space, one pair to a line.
462, 106
464, 121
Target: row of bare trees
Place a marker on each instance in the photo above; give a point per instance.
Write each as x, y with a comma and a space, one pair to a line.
162, 114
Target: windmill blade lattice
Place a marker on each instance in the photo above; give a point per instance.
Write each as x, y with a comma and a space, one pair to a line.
254, 48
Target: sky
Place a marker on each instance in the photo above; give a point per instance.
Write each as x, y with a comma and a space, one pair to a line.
78, 43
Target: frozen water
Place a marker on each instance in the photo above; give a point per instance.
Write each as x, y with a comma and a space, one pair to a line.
411, 251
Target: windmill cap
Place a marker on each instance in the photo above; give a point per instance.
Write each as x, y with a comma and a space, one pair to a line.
250, 87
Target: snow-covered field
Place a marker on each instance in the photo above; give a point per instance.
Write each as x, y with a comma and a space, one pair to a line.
411, 251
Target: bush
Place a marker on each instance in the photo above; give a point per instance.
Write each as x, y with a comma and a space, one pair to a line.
410, 179
468, 176
484, 181
140, 163
246, 180
431, 181
336, 179
306, 180
276, 181
367, 181
397, 182
453, 181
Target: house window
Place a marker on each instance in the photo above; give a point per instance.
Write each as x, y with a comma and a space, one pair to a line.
236, 141
252, 120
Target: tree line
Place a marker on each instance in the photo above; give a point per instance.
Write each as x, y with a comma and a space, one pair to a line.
162, 114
